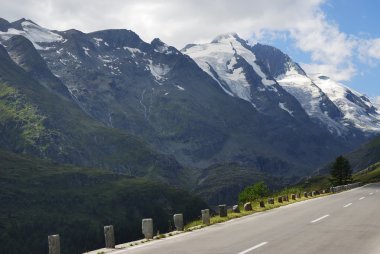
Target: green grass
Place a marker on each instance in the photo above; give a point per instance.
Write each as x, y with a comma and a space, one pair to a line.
369, 175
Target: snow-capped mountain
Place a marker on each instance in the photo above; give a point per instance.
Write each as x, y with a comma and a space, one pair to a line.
231, 63
221, 105
357, 109
333, 105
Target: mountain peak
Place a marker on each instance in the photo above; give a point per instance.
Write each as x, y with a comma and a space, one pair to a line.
21, 23
159, 45
4, 25
226, 37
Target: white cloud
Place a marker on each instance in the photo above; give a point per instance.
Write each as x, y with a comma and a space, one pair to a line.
178, 22
369, 51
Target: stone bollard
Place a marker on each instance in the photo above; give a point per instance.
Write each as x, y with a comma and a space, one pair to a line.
147, 228
293, 196
109, 237
262, 204
279, 199
178, 221
248, 206
205, 216
298, 195
223, 210
54, 244
285, 198
305, 194
236, 209
271, 201
310, 194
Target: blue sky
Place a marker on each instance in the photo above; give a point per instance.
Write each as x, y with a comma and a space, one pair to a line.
357, 19
361, 19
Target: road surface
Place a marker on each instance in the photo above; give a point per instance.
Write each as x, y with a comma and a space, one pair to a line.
347, 223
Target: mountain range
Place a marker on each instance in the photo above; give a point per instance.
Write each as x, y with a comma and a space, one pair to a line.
109, 100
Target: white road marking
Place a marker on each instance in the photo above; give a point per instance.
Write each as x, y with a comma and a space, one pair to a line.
377, 190
320, 218
347, 205
371, 193
253, 248
361, 198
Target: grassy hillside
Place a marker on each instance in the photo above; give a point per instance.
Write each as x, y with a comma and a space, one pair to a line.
39, 198
369, 175
222, 183
365, 155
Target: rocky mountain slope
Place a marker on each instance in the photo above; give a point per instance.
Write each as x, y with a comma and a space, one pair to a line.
342, 111
160, 94
42, 120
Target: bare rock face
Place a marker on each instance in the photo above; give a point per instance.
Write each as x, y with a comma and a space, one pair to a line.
248, 206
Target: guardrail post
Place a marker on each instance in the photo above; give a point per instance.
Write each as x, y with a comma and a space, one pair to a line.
147, 228
223, 210
236, 209
248, 206
178, 221
109, 237
205, 216
54, 244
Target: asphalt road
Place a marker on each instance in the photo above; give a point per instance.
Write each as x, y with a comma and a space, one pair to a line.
348, 222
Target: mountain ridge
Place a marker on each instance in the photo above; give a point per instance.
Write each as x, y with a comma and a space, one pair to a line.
185, 109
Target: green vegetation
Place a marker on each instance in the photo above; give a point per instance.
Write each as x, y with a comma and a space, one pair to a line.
254, 192
39, 198
224, 182
341, 172
368, 175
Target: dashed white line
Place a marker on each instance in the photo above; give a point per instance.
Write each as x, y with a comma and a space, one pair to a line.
361, 198
347, 205
371, 193
320, 218
253, 248
377, 190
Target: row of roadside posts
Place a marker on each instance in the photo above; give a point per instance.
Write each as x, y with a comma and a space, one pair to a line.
147, 224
